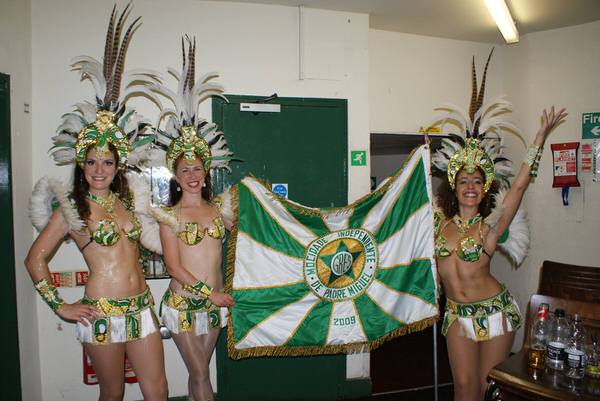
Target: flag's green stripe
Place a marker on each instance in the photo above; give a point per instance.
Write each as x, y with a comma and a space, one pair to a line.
314, 328
413, 196
415, 279
361, 210
375, 322
257, 223
254, 306
311, 222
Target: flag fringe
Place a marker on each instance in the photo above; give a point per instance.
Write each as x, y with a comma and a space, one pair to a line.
283, 351
232, 243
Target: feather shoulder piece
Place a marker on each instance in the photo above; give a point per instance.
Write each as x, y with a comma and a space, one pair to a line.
166, 216
150, 237
225, 204
49, 194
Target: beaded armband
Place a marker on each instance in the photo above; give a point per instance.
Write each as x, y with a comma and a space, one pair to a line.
532, 159
49, 293
199, 288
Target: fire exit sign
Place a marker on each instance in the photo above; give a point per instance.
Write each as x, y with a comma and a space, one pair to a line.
590, 125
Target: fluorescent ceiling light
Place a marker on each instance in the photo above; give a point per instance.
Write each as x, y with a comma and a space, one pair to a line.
501, 15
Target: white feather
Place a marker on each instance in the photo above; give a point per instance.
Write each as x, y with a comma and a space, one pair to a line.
45, 191
227, 209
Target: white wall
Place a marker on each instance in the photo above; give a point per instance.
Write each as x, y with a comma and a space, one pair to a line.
255, 48
15, 60
409, 75
557, 67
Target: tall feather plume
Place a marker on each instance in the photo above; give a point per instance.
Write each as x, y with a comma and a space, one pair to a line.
109, 63
192, 65
108, 42
118, 74
473, 102
481, 93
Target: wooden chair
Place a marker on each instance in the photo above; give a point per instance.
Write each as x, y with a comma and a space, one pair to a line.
579, 283
589, 312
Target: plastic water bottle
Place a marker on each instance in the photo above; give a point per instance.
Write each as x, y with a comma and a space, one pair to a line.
557, 341
575, 351
539, 338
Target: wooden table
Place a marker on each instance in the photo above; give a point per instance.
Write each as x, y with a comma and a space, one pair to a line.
514, 380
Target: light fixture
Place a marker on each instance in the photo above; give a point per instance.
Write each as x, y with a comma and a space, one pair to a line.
501, 15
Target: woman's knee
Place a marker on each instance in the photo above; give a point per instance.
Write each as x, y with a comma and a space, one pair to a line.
156, 389
112, 391
466, 387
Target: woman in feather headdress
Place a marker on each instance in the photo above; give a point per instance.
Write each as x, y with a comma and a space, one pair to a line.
116, 314
475, 216
192, 228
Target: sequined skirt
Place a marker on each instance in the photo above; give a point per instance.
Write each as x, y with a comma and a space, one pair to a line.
181, 314
483, 320
121, 319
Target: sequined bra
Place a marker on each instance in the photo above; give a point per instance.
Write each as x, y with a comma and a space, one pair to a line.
192, 234
108, 232
468, 248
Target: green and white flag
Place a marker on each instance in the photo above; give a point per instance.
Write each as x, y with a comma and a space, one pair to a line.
317, 281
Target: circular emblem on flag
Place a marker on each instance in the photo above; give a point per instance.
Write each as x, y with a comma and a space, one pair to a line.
341, 265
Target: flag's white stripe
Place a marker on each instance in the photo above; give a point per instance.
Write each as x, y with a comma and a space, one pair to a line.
404, 307
413, 241
259, 266
337, 221
278, 328
379, 212
345, 326
277, 211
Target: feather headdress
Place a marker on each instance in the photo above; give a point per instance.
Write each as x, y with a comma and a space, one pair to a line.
185, 133
107, 120
479, 142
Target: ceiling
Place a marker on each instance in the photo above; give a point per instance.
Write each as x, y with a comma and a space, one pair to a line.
457, 19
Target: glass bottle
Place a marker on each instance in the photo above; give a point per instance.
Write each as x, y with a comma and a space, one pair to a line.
592, 369
557, 341
539, 338
575, 350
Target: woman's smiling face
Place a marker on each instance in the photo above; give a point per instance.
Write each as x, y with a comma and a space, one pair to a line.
469, 188
190, 175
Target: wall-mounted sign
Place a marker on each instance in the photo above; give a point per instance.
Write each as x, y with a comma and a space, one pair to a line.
590, 125
358, 158
280, 189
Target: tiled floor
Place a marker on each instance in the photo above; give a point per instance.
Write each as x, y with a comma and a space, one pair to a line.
444, 394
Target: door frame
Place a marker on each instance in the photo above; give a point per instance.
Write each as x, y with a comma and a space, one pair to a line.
11, 378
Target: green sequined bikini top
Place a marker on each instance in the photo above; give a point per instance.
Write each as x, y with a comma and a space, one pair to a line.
108, 232
467, 249
192, 234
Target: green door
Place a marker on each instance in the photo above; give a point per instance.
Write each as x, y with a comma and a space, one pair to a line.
9, 337
305, 146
